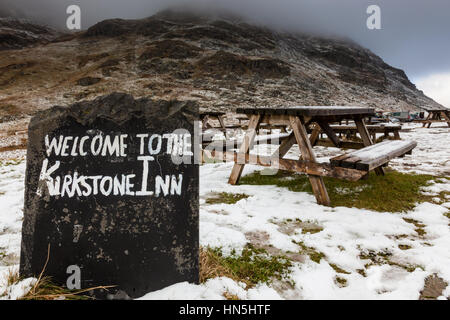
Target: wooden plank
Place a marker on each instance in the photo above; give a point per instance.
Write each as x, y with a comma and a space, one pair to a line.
285, 146
234, 144
433, 117
329, 132
343, 144
374, 156
236, 172
314, 134
446, 116
221, 122
383, 158
371, 128
366, 140
317, 183
337, 161
311, 111
277, 120
426, 120
205, 122
300, 166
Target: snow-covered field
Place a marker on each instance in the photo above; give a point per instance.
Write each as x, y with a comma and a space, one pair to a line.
348, 233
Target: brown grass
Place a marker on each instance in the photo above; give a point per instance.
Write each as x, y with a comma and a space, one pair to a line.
45, 289
211, 267
230, 296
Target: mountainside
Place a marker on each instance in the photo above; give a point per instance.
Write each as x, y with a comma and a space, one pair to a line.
17, 34
221, 62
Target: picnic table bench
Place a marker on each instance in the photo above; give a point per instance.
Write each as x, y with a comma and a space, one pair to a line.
388, 130
299, 118
373, 156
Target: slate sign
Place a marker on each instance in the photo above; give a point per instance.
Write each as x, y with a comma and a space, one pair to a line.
112, 191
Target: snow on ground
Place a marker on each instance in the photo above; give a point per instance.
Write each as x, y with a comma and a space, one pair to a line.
349, 235
432, 154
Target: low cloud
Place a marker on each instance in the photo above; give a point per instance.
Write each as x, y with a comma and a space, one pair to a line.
414, 34
437, 87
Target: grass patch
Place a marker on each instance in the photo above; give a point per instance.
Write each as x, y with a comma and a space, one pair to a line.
338, 269
288, 226
253, 266
310, 228
314, 255
394, 192
362, 272
13, 162
341, 281
230, 296
45, 289
385, 257
404, 247
227, 198
419, 226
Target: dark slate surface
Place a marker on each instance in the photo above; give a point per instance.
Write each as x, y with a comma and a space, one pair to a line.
310, 111
139, 243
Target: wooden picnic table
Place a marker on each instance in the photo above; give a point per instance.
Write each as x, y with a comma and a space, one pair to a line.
299, 118
435, 115
385, 129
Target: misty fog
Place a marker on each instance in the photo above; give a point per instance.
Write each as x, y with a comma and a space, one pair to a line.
414, 35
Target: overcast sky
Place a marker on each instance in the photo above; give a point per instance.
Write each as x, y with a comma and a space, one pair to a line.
415, 34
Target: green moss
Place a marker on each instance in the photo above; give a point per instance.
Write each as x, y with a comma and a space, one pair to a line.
394, 192
225, 197
254, 265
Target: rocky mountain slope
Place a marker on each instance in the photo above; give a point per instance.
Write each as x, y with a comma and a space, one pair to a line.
17, 34
222, 62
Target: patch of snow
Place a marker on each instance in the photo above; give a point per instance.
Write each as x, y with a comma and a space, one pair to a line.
348, 234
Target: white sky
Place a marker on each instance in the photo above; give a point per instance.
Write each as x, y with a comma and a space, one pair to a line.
436, 86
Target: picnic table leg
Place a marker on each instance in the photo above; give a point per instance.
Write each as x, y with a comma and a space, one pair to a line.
285, 146
205, 122
433, 117
446, 116
325, 127
249, 138
301, 136
364, 133
428, 117
222, 124
315, 134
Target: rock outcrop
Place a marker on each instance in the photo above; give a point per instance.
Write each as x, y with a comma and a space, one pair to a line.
17, 34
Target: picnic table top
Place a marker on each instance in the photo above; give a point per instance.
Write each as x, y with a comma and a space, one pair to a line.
369, 126
204, 113
434, 108
310, 111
